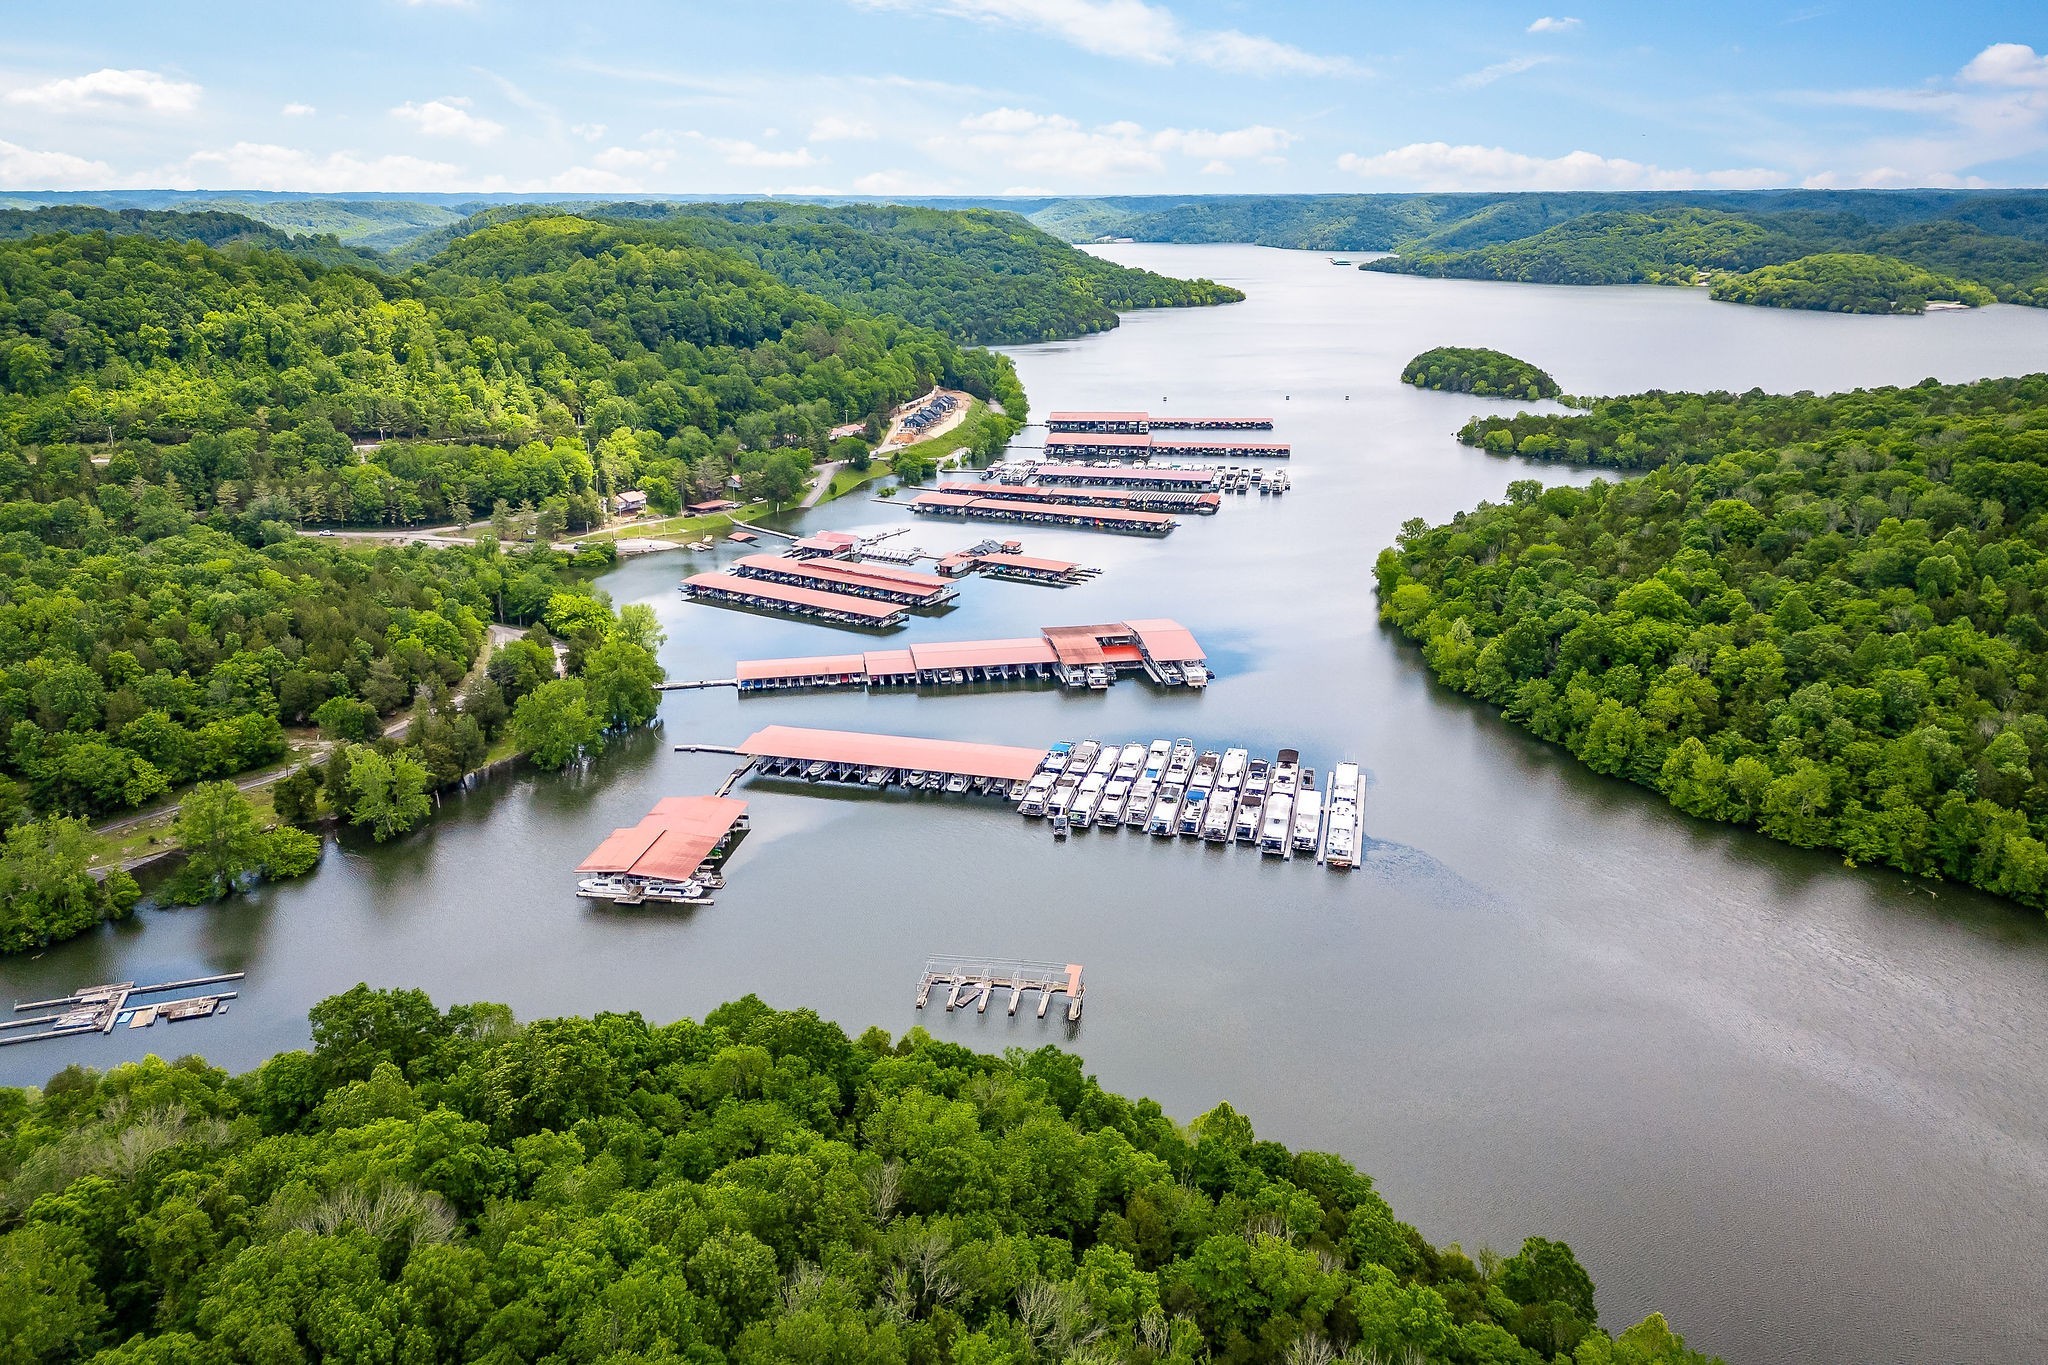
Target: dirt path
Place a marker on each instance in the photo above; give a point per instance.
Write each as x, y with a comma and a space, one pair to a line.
823, 483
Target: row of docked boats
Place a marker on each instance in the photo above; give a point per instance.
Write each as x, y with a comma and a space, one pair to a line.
915, 779
1169, 790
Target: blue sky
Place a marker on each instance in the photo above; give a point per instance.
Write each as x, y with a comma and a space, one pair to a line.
901, 97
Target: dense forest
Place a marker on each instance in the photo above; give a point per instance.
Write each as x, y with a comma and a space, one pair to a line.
1847, 282
978, 276
1822, 616
428, 1186
214, 227
1833, 261
1479, 371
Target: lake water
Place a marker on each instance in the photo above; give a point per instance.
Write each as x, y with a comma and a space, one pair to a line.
1794, 1105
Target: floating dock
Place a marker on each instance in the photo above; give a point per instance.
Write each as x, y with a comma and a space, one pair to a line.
849, 755
1083, 445
1139, 423
96, 1009
969, 983
1161, 649
1070, 514
1200, 503
671, 855
838, 608
1114, 476
880, 582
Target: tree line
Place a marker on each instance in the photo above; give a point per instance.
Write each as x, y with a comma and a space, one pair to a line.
1825, 617
755, 1188
1847, 282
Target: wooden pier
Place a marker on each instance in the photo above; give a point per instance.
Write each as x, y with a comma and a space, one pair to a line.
973, 982
96, 1009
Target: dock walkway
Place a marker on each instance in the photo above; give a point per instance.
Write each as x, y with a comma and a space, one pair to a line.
972, 982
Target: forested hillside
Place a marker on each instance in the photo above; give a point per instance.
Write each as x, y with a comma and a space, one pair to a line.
1824, 617
214, 227
1668, 247
1480, 371
1847, 282
756, 1188
976, 275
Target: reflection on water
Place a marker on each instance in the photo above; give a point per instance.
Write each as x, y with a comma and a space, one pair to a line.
1793, 1104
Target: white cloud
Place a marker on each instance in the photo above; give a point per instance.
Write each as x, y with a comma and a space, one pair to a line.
1219, 168
107, 89
2008, 64
1137, 30
1513, 66
890, 183
739, 152
1441, 166
1056, 146
437, 4
833, 128
449, 117
1547, 24
266, 166
297, 110
22, 168
589, 132
1994, 109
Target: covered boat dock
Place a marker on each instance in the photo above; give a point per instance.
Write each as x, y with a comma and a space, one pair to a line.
673, 842
851, 755
1148, 500
911, 587
1043, 513
1161, 649
836, 607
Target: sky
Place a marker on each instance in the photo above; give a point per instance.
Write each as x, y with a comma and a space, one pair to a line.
986, 97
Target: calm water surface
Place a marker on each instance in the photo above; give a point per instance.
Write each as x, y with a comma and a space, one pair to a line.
1796, 1106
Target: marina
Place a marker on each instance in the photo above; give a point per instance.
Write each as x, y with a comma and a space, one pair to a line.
1140, 423
1150, 500
1069, 514
971, 983
98, 1009
1082, 445
672, 856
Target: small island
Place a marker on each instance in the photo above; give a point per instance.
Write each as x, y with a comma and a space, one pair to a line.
1478, 371
1848, 282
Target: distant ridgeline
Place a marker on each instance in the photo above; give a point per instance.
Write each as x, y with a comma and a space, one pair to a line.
1478, 371
756, 1189
1826, 617
1996, 240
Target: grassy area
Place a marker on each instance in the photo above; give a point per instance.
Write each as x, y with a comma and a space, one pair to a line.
939, 447
153, 834
685, 528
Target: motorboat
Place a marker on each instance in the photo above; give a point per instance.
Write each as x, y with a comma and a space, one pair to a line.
1106, 762
1099, 678
1205, 770
1195, 675
1055, 759
1256, 775
1087, 799
624, 890
1216, 819
1130, 761
1191, 813
1344, 787
1308, 814
1083, 756
1035, 793
1230, 777
1286, 772
1017, 790
914, 778
816, 772
1111, 810
1183, 761
1276, 829
1156, 759
879, 777
1138, 809
1251, 810
956, 784
1170, 674
1343, 843
1059, 825
1062, 798
1165, 810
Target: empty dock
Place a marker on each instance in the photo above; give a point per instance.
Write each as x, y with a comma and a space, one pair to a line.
970, 983
96, 1009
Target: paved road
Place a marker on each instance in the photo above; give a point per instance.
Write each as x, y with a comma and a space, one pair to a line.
825, 476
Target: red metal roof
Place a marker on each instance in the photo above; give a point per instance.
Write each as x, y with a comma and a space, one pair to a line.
1097, 438
1098, 417
671, 842
893, 751
1167, 641
1079, 646
941, 500
1007, 561
983, 653
889, 663
1099, 474
1033, 493
821, 665
1130, 515
833, 571
1167, 445
794, 596
715, 505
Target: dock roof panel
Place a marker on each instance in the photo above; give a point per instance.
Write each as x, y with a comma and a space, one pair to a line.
1055, 439
1003, 761
784, 594
1199, 478
826, 572
983, 653
671, 842
1009, 561
1122, 514
1098, 417
816, 666
889, 663
1167, 641
942, 500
